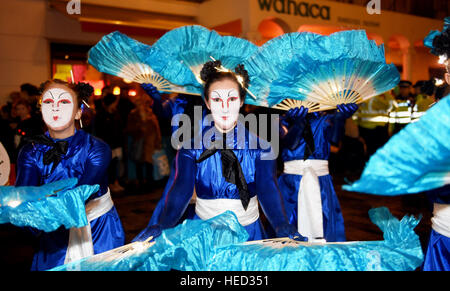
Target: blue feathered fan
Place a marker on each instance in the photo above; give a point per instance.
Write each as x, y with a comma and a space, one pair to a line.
415, 160
117, 54
266, 67
196, 45
47, 207
345, 67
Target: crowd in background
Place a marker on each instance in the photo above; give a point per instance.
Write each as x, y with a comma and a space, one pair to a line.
135, 134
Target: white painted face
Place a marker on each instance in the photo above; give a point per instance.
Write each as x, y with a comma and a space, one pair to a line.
57, 108
225, 105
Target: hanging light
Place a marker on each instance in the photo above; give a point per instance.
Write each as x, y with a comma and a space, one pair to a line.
116, 90
439, 82
132, 93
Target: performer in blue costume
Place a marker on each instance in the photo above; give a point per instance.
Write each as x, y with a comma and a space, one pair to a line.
438, 254
225, 170
305, 139
65, 152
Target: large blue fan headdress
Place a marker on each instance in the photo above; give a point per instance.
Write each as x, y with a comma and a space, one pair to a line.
439, 42
196, 45
415, 160
267, 65
345, 67
117, 54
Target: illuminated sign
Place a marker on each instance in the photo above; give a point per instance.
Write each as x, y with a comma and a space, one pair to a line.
291, 7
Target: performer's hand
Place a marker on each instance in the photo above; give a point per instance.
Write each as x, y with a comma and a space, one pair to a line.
151, 231
347, 110
297, 115
151, 91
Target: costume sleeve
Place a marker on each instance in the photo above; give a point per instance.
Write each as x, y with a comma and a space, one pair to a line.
269, 194
28, 172
96, 167
180, 192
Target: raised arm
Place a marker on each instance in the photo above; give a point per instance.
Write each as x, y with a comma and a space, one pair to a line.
270, 199
178, 196
28, 173
292, 125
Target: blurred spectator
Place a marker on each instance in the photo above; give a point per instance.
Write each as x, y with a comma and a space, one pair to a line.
417, 88
27, 125
143, 128
31, 94
405, 91
441, 92
401, 114
372, 119
108, 127
7, 133
424, 99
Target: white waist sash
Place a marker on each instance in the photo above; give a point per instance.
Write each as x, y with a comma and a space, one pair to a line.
441, 219
80, 239
209, 208
309, 203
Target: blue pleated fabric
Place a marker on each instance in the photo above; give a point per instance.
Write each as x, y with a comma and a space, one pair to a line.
194, 45
116, 51
87, 159
255, 230
217, 245
187, 247
438, 253
294, 65
268, 64
416, 159
64, 208
399, 251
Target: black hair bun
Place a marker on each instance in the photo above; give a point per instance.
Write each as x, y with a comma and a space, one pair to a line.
241, 71
441, 44
209, 70
84, 90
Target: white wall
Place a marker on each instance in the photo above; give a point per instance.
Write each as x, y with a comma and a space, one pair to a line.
26, 29
23, 51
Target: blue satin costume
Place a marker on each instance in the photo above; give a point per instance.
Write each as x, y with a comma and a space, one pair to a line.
87, 159
323, 131
437, 257
209, 183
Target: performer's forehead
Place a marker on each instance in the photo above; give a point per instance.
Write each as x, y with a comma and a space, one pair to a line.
62, 91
